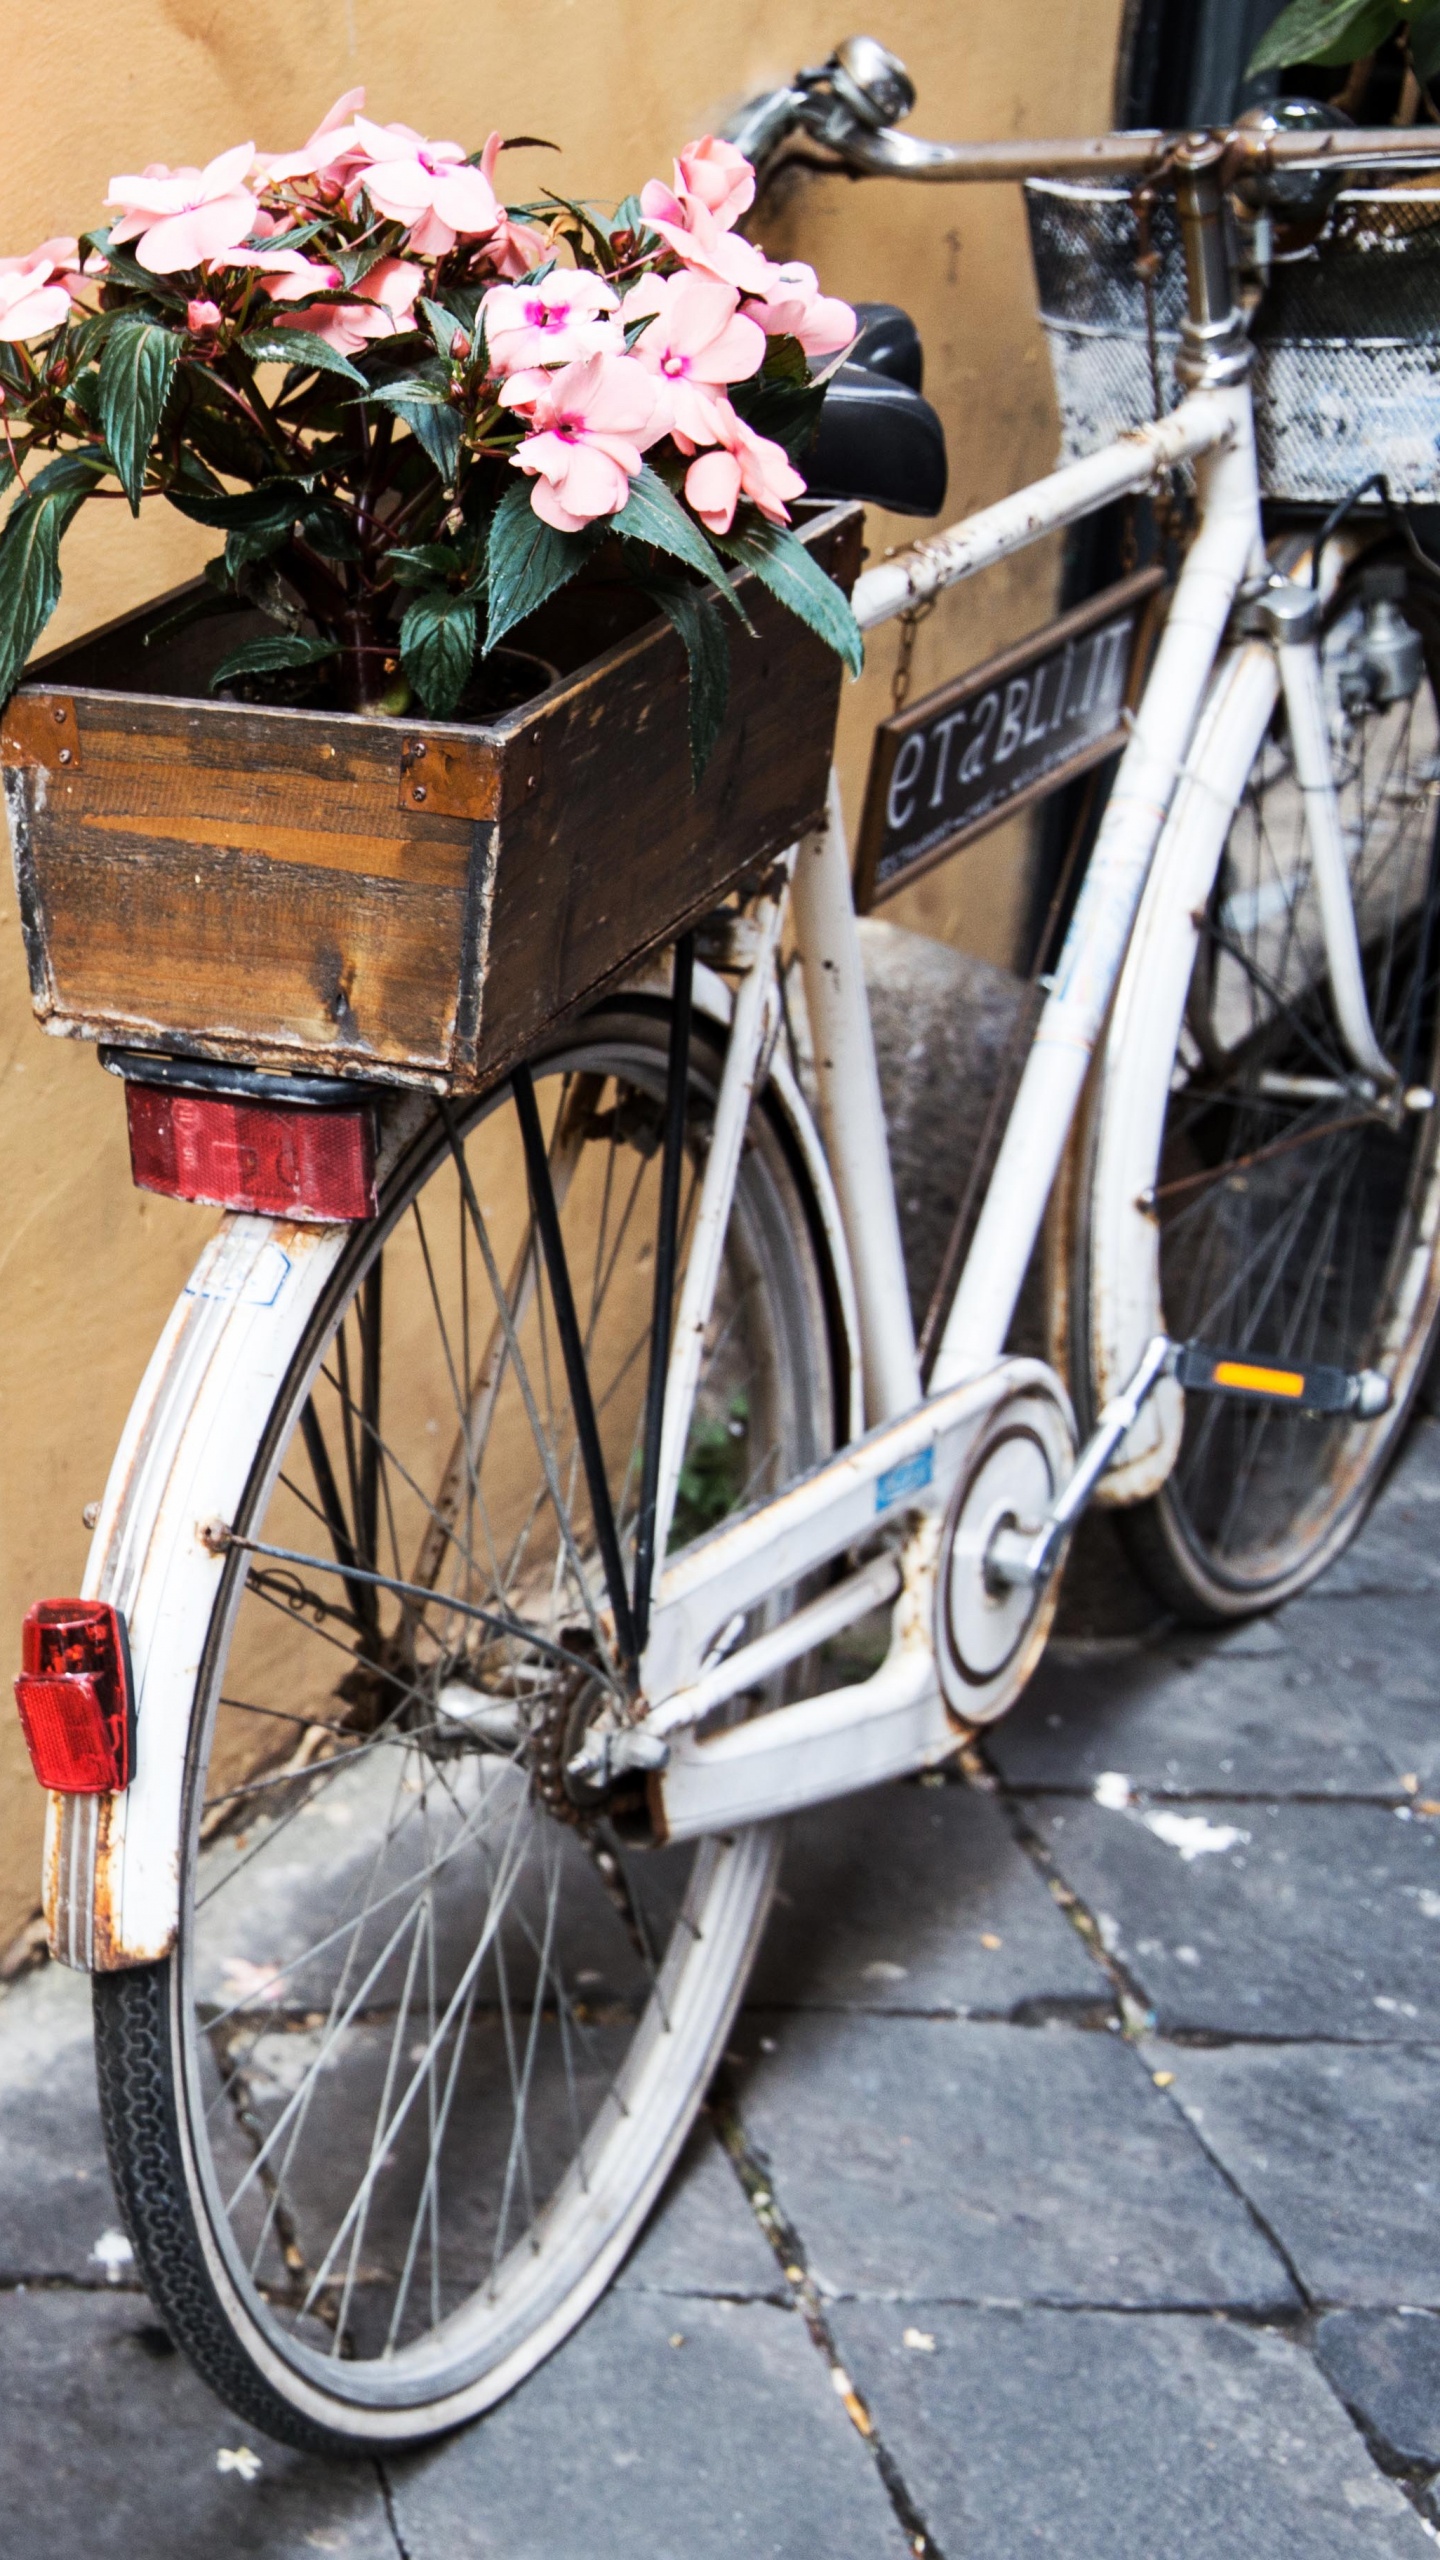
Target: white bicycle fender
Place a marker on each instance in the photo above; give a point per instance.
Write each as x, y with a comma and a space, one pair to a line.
112, 1863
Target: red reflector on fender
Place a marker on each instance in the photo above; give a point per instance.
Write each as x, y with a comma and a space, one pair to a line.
75, 1696
277, 1162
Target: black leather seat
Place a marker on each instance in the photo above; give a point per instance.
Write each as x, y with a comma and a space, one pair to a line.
878, 438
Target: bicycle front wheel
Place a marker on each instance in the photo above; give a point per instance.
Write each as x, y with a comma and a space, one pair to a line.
1294, 1210
436, 2026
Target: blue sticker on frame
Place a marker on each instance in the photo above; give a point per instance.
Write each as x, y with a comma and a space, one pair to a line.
911, 1476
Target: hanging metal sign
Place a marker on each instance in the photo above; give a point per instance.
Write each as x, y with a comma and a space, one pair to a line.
954, 764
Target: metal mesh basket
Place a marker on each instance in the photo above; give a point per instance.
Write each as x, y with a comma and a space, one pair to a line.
1347, 339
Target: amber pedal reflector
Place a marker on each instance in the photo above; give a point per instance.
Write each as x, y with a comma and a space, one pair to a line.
76, 1696
274, 1161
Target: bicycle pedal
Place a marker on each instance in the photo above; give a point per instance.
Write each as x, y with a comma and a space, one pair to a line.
1316, 1389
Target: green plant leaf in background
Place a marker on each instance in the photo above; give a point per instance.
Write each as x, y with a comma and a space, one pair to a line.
301, 348
697, 617
437, 649
30, 555
1425, 44
266, 657
652, 513
1326, 31
137, 371
784, 566
527, 561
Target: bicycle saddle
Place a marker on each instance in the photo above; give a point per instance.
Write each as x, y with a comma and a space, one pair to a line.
877, 439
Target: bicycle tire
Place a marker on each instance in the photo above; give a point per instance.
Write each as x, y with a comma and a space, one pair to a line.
415, 2340
1276, 1232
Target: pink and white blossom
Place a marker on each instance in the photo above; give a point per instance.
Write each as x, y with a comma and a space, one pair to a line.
744, 465
185, 217
33, 301
698, 341
287, 273
590, 424
331, 154
383, 307
701, 243
429, 186
793, 306
568, 315
719, 175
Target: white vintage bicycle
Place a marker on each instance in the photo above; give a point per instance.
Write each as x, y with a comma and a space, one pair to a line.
485, 1564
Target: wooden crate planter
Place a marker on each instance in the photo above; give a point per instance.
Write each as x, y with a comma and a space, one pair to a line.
412, 902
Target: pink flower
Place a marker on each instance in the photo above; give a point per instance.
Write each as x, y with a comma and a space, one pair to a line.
56, 255
719, 175
289, 274
182, 217
792, 305
429, 186
385, 307
589, 425
30, 304
745, 466
200, 317
699, 242
512, 248
331, 154
567, 316
697, 341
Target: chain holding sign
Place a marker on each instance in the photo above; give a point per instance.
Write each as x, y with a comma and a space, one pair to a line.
951, 766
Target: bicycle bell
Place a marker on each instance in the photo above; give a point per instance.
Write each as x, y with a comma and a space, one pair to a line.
1295, 195
873, 82
1392, 652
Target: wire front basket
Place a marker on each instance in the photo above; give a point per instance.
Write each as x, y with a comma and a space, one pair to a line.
1347, 336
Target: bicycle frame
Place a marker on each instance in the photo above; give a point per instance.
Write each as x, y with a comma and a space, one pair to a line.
895, 1492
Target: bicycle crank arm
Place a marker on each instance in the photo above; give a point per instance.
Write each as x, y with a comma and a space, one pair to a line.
1022, 1556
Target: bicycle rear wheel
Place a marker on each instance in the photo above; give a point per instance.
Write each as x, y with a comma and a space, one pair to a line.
435, 2027
1296, 1217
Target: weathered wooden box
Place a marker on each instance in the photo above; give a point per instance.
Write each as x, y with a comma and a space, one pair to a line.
412, 902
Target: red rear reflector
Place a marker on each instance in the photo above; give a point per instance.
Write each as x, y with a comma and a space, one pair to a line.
260, 1156
75, 1696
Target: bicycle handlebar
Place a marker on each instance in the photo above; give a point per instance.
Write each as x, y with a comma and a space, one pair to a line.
851, 106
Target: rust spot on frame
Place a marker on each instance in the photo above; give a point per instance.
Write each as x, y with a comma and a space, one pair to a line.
41, 729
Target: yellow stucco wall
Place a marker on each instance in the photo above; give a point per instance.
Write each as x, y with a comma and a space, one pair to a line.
87, 1266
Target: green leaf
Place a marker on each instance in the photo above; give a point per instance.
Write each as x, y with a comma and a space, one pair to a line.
437, 429
784, 566
1425, 44
1329, 31
252, 542
30, 556
302, 349
782, 411
275, 502
137, 371
696, 617
437, 649
127, 271
422, 564
652, 513
786, 361
266, 657
528, 560
444, 327
409, 390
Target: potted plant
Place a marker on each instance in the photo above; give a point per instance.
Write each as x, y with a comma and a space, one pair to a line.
452, 725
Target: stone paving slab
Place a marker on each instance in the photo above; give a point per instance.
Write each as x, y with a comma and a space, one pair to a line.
1399, 1547
729, 2446
57, 2199
964, 2162
1386, 2367
1254, 1714
1337, 2147
111, 2448
1288, 1919
1091, 2435
1383, 1650
702, 2237
918, 1898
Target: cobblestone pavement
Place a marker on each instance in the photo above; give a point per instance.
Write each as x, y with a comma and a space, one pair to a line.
1071, 2185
